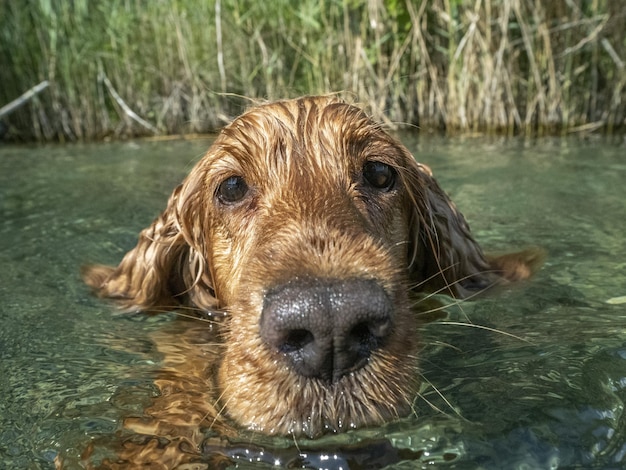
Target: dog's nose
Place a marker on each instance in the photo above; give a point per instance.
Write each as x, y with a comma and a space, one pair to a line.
326, 328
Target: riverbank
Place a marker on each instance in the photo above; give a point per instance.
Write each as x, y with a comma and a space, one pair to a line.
121, 69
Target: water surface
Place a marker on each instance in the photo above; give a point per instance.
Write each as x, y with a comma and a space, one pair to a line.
539, 381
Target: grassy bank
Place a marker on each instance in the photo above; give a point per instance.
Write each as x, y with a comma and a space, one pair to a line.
510, 66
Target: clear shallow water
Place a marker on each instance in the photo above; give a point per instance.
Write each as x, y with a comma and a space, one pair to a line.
550, 396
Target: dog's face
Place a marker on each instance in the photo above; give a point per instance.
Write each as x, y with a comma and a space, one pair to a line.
309, 247
308, 225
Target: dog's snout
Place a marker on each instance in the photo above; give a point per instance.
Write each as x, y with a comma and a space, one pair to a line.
326, 328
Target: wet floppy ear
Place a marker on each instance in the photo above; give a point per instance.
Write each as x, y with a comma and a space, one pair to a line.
443, 255
519, 265
167, 267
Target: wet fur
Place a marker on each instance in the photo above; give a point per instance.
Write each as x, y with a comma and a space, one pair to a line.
309, 215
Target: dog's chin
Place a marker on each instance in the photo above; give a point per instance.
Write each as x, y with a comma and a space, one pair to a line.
289, 404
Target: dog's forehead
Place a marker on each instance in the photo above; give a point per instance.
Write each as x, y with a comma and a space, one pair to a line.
306, 135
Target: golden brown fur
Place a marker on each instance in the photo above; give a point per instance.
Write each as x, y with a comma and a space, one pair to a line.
307, 213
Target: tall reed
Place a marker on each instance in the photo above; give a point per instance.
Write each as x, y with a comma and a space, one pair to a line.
505, 66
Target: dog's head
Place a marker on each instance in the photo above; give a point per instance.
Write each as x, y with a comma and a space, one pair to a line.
309, 226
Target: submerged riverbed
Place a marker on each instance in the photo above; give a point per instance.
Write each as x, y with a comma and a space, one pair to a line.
537, 380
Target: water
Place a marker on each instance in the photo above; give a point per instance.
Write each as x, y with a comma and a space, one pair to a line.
546, 390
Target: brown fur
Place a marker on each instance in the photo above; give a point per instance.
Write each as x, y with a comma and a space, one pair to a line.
308, 214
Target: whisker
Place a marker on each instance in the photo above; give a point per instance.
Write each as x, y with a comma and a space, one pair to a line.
213, 317
430, 278
441, 395
295, 442
443, 344
219, 411
486, 328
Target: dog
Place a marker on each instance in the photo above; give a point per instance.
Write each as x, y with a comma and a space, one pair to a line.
304, 233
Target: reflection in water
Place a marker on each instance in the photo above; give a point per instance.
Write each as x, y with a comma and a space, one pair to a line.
184, 422
550, 392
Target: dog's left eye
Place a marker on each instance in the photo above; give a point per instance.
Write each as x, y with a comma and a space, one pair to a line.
232, 190
379, 175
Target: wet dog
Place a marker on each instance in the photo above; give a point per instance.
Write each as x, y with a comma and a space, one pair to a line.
308, 228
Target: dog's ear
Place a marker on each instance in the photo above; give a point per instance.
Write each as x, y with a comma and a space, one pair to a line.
443, 255
167, 268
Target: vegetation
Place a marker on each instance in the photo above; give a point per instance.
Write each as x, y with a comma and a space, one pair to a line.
506, 66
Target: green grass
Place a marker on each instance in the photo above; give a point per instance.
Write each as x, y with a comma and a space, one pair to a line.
187, 66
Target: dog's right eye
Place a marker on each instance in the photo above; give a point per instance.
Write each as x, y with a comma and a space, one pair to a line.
379, 175
232, 190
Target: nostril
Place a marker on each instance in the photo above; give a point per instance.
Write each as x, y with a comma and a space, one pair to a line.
361, 333
295, 340
365, 337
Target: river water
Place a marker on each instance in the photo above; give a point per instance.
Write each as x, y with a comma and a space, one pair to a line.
538, 380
